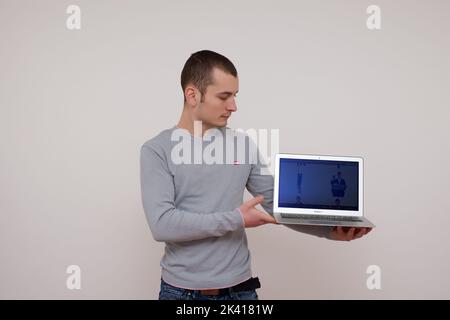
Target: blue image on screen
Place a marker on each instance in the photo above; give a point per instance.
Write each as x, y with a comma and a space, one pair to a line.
318, 184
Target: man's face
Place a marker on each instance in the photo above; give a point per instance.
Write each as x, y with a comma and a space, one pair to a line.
218, 101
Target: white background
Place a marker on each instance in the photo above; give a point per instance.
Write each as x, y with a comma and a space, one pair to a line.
77, 105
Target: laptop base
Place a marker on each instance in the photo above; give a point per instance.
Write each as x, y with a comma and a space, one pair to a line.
361, 222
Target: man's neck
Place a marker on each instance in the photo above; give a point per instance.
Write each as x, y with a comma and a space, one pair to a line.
187, 122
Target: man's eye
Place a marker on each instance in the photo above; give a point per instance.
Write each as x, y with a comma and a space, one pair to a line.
222, 98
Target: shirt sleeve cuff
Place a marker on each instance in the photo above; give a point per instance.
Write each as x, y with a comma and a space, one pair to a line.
241, 217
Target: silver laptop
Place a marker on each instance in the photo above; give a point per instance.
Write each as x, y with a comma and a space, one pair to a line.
319, 190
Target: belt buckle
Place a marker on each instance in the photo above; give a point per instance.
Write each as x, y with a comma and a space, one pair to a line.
210, 292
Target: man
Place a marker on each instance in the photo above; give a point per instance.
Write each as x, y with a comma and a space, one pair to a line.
341, 182
338, 186
196, 208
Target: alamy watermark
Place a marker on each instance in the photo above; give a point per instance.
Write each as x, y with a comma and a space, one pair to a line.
374, 20
374, 280
73, 282
226, 146
73, 22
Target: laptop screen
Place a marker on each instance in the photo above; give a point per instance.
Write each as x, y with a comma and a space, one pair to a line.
318, 184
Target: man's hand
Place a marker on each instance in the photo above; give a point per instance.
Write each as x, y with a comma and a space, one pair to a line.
338, 233
253, 217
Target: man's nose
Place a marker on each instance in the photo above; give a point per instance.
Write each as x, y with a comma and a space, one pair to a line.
232, 106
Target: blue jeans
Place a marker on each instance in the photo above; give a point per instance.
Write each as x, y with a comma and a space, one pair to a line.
169, 292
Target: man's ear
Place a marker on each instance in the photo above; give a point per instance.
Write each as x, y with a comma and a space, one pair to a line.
192, 95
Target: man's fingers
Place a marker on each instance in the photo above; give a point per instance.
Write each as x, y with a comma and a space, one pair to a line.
361, 232
254, 201
339, 231
350, 234
265, 218
269, 218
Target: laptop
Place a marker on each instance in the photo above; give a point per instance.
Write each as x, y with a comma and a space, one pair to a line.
319, 190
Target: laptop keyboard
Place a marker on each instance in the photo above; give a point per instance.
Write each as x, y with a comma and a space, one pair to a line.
319, 217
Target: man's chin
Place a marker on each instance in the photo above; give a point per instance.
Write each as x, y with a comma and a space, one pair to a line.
222, 122
217, 124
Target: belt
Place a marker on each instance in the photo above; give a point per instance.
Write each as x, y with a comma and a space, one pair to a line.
250, 284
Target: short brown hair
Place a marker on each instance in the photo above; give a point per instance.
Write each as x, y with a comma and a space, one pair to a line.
198, 69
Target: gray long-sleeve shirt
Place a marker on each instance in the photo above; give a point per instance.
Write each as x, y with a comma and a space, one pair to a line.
194, 207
